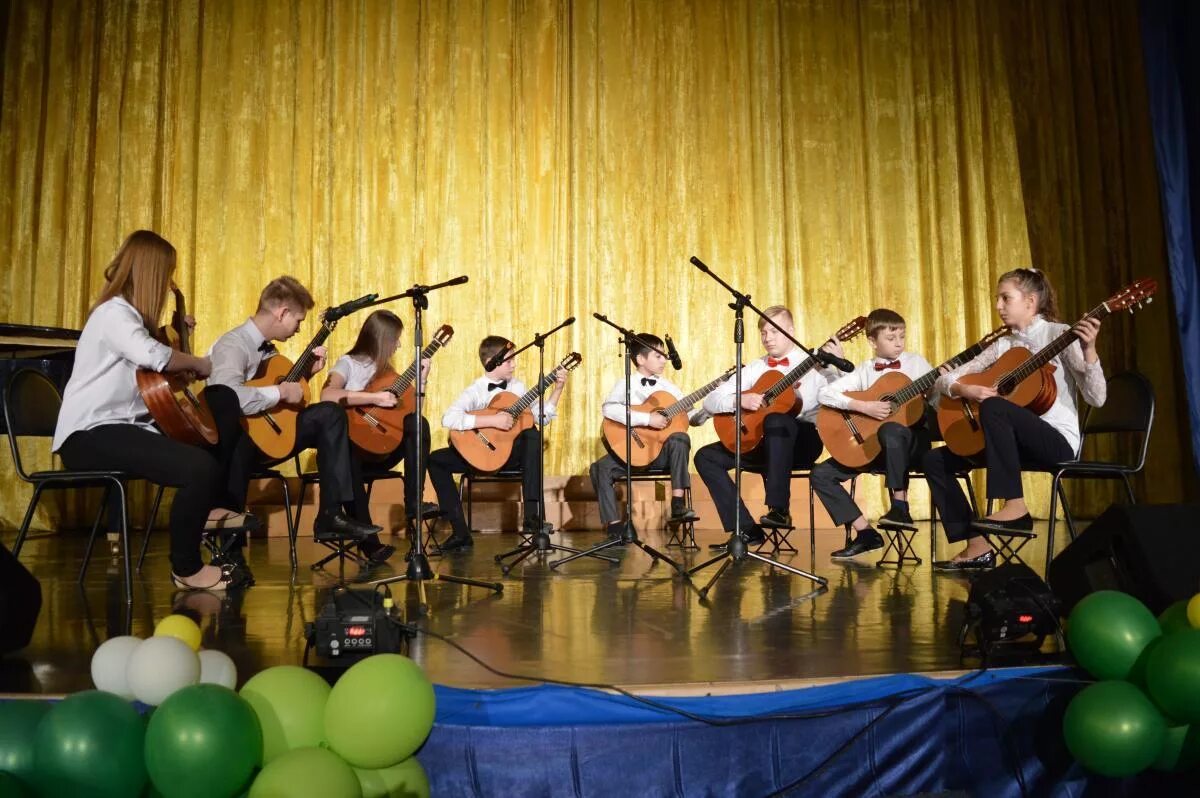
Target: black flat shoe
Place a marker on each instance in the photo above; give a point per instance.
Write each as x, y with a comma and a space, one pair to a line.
776, 519
981, 563
864, 542
379, 554
1017, 525
896, 518
456, 542
428, 510
338, 526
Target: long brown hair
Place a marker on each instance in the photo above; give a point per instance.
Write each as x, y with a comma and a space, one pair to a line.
141, 273
1034, 281
378, 338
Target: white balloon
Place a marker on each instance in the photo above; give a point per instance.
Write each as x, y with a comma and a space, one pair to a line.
217, 668
109, 664
159, 667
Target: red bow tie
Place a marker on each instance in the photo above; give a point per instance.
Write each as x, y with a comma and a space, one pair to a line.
772, 362
895, 364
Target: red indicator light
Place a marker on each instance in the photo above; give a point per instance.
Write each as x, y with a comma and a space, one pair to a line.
356, 631
1025, 618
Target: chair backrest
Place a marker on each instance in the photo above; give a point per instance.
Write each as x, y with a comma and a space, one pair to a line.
31, 405
1128, 410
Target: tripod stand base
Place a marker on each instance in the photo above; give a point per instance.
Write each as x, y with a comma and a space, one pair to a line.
737, 553
418, 572
628, 537
539, 544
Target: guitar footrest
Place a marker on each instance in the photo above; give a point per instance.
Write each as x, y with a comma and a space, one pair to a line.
778, 538
682, 535
1008, 545
899, 541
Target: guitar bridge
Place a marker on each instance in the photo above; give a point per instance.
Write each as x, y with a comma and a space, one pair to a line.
270, 421
858, 438
969, 415
638, 439
486, 442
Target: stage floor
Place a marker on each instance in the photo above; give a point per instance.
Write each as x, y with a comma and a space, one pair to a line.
633, 624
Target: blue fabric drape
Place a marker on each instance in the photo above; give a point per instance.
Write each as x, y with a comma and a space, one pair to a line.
1170, 36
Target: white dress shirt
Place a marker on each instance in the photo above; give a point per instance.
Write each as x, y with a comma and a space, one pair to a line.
614, 406
476, 397
722, 399
833, 395
357, 371
1078, 374
103, 388
235, 359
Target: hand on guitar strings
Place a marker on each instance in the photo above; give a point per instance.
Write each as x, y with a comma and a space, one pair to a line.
290, 393
383, 399
876, 410
752, 401
658, 421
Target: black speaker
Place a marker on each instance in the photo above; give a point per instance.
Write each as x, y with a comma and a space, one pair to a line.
20, 603
1151, 551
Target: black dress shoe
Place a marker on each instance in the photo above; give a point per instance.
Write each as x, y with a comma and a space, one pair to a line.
456, 542
980, 563
339, 526
754, 536
613, 531
683, 515
896, 518
865, 541
1017, 525
379, 553
776, 519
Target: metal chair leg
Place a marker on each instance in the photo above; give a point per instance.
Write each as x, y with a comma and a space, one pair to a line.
1129, 488
87, 552
1055, 488
33, 503
292, 525
149, 527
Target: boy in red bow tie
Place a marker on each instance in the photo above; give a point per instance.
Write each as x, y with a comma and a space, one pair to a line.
900, 444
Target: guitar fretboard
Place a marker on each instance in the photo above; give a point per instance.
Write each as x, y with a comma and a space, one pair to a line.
303, 363
405, 379
688, 402
1011, 380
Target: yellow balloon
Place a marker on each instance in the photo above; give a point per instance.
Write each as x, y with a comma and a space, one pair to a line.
182, 627
1193, 611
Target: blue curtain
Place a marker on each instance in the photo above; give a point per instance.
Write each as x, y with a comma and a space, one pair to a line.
1171, 48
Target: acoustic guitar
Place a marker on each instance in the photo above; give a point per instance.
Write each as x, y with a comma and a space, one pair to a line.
646, 442
177, 410
778, 397
489, 449
1024, 378
274, 431
379, 430
853, 438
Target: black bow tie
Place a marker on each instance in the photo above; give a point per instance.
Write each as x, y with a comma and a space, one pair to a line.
502, 385
648, 381
266, 346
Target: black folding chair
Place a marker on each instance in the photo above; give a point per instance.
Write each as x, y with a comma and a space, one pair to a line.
31, 406
680, 535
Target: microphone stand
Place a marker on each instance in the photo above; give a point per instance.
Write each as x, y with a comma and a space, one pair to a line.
539, 542
628, 531
738, 550
419, 571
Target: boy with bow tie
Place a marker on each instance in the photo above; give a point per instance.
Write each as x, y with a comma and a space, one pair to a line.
647, 380
445, 463
900, 444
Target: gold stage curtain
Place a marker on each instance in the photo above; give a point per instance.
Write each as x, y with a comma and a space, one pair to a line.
568, 156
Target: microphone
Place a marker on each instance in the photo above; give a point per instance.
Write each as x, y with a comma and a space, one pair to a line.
673, 354
346, 308
497, 359
833, 360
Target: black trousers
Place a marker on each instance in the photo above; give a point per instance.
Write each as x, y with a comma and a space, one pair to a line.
901, 446
787, 444
1015, 438
445, 463
147, 455
320, 426
406, 452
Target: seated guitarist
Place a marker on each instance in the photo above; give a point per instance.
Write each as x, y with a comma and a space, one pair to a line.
445, 463
1015, 436
236, 358
900, 445
788, 441
646, 380
351, 374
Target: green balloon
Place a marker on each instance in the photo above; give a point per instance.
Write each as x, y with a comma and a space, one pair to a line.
1113, 729
406, 780
380, 711
1107, 631
290, 704
202, 742
306, 773
18, 723
1180, 751
90, 744
1173, 676
1174, 619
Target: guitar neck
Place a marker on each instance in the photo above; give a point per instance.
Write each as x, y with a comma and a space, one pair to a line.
522, 404
402, 382
304, 362
923, 383
1051, 350
789, 379
688, 402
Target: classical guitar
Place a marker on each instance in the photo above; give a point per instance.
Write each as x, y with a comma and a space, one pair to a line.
853, 438
1024, 378
274, 431
489, 449
379, 430
778, 397
177, 410
646, 442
